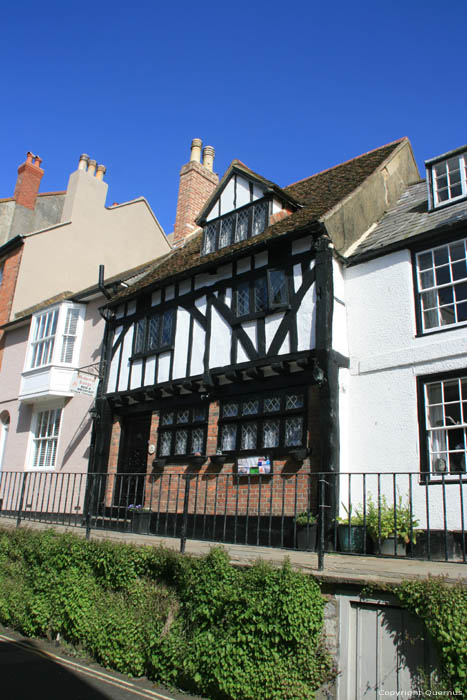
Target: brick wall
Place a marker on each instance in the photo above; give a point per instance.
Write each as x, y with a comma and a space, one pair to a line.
197, 183
10, 265
27, 184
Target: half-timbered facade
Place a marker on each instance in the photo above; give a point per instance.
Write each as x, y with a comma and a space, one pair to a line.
225, 357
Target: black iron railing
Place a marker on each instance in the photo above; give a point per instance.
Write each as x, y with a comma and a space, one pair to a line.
378, 514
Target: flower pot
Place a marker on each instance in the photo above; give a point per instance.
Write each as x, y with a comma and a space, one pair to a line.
198, 461
140, 522
300, 454
159, 463
351, 539
218, 459
306, 537
387, 547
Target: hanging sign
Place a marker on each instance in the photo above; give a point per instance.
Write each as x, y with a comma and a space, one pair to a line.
84, 383
254, 465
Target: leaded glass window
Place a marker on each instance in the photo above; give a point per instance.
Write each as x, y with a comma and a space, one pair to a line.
261, 294
243, 299
210, 232
247, 222
260, 217
182, 431
154, 332
226, 233
265, 292
278, 293
279, 421
241, 233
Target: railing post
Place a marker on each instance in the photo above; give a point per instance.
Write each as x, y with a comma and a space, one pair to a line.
187, 478
87, 501
21, 498
321, 523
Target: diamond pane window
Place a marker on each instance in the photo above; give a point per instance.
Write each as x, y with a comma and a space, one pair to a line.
229, 437
243, 299
229, 410
272, 403
167, 324
199, 414
277, 288
293, 431
183, 416
210, 232
227, 229
140, 332
197, 440
248, 439
293, 401
271, 433
241, 232
153, 332
250, 408
181, 440
165, 442
167, 418
260, 217
261, 294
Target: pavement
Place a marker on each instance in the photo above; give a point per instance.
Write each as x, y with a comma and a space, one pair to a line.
39, 668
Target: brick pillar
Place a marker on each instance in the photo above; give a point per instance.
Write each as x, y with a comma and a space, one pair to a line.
27, 185
9, 268
197, 183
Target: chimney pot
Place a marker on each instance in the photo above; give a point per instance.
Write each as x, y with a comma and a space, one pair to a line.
38, 161
83, 161
100, 172
196, 145
29, 157
92, 164
208, 157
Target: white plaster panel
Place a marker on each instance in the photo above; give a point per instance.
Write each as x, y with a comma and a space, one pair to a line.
228, 297
302, 245
243, 191
221, 340
276, 206
297, 277
169, 292
125, 364
271, 325
131, 307
306, 320
163, 369
258, 191
250, 329
150, 371
224, 272
184, 287
114, 363
227, 197
339, 329
156, 297
338, 280
243, 265
241, 354
136, 374
201, 305
205, 280
181, 343
197, 355
261, 259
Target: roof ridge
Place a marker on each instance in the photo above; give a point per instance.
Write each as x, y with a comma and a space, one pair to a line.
344, 162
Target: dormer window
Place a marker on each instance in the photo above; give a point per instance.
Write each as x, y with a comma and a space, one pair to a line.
236, 226
448, 178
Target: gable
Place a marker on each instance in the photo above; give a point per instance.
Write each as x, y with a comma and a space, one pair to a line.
238, 191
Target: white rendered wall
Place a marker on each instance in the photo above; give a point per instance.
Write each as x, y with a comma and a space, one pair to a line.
378, 402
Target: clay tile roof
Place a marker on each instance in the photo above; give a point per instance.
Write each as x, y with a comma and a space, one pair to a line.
317, 195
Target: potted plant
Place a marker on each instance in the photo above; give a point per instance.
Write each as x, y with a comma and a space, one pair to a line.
385, 522
351, 531
140, 519
306, 531
218, 458
198, 459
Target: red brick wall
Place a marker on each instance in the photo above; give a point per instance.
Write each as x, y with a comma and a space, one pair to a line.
11, 265
27, 184
197, 183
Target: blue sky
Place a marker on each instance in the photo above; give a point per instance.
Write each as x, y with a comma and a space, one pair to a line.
288, 88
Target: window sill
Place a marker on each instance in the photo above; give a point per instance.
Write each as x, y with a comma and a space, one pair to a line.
441, 329
449, 202
260, 314
151, 353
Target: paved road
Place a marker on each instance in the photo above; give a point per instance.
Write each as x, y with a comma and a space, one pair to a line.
31, 668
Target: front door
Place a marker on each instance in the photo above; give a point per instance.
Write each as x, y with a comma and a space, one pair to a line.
132, 461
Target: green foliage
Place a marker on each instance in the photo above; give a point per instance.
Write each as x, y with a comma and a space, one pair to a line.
380, 519
303, 519
443, 609
200, 624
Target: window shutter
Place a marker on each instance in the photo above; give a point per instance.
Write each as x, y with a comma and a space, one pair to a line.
69, 335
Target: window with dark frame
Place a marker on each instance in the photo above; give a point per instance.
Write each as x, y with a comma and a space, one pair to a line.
268, 292
441, 274
182, 431
154, 333
251, 424
247, 222
445, 425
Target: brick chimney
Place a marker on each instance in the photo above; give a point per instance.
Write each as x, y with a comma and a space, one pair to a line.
197, 183
27, 185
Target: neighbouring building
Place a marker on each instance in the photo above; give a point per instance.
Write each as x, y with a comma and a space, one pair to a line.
404, 396
52, 329
226, 359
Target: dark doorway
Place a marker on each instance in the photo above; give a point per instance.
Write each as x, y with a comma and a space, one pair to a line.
132, 461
